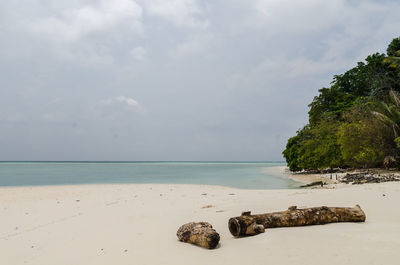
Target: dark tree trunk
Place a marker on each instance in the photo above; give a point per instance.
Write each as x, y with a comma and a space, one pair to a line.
315, 183
247, 224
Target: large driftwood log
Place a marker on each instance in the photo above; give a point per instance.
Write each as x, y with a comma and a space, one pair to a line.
247, 224
201, 234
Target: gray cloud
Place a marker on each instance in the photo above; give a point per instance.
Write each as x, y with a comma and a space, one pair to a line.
173, 80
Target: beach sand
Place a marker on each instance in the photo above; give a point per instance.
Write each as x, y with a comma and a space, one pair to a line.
304, 178
137, 223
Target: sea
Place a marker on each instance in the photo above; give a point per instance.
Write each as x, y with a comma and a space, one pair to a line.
244, 175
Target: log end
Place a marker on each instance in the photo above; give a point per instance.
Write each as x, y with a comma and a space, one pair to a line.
199, 233
212, 240
238, 230
234, 227
360, 213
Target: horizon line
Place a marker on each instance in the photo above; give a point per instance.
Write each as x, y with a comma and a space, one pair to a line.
144, 161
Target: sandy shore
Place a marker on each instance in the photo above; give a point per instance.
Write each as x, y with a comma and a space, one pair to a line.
304, 178
136, 224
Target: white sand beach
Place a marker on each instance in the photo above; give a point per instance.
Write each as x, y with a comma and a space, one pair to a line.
136, 224
304, 178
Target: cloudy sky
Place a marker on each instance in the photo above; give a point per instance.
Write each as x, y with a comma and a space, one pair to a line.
173, 79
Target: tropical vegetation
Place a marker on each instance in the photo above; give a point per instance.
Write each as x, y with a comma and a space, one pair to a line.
356, 121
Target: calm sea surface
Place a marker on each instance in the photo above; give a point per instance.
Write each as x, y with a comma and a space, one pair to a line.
245, 175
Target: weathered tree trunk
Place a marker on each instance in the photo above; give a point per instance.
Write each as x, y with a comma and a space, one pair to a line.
315, 183
247, 224
201, 234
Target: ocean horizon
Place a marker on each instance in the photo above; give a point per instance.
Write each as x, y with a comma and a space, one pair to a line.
239, 174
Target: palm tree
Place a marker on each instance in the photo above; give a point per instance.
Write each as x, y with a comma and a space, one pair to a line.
393, 61
389, 112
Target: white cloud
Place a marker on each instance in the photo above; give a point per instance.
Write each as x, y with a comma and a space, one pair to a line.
130, 102
84, 33
73, 24
52, 102
301, 14
245, 59
139, 53
183, 13
193, 45
114, 109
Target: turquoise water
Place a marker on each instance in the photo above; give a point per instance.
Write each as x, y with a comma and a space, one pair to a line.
243, 175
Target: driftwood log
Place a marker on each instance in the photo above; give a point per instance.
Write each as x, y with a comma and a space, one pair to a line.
315, 183
247, 224
201, 234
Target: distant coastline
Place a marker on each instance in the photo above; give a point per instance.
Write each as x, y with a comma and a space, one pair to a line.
136, 161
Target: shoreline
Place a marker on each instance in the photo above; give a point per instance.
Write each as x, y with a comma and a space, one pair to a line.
88, 185
239, 175
301, 178
277, 171
280, 171
338, 180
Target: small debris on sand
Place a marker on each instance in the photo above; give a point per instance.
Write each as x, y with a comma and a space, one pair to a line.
368, 177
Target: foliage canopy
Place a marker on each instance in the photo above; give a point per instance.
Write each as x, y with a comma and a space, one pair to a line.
356, 121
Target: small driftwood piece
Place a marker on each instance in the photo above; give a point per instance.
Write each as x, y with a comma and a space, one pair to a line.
315, 183
247, 224
201, 234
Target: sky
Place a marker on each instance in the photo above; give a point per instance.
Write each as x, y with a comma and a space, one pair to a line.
173, 80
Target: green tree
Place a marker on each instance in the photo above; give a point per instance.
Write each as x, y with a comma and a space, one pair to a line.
363, 141
388, 111
320, 149
291, 153
393, 47
351, 88
354, 122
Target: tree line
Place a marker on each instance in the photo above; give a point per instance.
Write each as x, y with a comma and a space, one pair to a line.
356, 121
